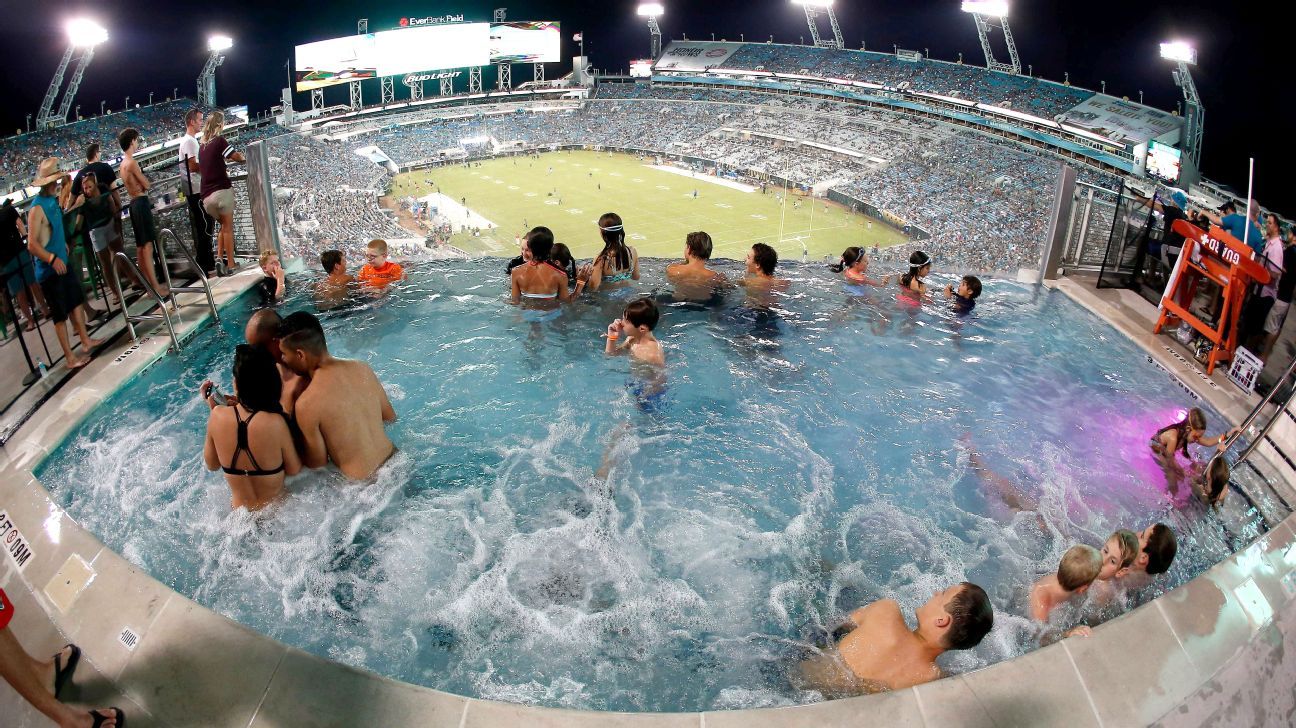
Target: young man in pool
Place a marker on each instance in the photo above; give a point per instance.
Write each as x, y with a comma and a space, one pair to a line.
263, 330
1079, 567
879, 652
332, 291
692, 279
632, 334
760, 281
1157, 549
343, 411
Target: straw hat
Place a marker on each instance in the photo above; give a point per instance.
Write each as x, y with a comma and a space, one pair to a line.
47, 172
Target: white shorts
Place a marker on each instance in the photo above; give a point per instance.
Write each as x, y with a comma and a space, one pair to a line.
1277, 314
101, 237
220, 202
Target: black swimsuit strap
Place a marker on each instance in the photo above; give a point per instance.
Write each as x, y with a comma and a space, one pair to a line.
242, 446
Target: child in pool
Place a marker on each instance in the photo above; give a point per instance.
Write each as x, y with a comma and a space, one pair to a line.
912, 283
969, 289
854, 265
632, 334
1079, 567
1175, 438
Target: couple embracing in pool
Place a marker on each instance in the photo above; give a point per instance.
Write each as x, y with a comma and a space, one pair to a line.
315, 409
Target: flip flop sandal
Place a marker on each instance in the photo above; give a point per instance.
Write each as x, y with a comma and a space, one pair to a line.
117, 715
63, 673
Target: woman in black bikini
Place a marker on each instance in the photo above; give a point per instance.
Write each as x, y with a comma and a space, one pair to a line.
256, 453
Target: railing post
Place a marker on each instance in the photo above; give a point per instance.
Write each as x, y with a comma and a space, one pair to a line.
1055, 240
261, 198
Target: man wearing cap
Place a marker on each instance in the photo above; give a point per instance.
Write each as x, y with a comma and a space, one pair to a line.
1171, 210
48, 245
1245, 229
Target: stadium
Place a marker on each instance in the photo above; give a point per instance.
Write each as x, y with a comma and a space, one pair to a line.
891, 464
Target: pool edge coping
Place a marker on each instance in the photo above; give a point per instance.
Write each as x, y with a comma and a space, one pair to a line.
150, 607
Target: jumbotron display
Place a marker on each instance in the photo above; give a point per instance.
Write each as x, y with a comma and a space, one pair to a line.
424, 48
525, 41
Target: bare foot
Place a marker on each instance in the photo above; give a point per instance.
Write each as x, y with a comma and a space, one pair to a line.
78, 363
108, 717
91, 343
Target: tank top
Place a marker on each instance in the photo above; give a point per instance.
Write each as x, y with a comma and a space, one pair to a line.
56, 244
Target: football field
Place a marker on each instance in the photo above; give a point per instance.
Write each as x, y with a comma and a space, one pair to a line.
567, 191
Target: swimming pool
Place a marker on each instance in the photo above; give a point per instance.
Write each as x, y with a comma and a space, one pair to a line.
801, 463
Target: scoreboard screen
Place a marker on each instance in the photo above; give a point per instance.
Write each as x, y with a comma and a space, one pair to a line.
391, 53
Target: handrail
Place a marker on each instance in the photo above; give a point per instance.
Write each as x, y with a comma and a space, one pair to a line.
202, 275
165, 316
1253, 416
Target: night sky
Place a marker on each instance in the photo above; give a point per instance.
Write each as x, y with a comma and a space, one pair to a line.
155, 46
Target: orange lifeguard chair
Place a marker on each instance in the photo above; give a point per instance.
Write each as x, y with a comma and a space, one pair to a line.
1222, 259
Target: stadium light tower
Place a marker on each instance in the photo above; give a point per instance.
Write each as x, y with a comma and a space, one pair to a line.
652, 11
1183, 56
990, 14
217, 45
812, 10
84, 34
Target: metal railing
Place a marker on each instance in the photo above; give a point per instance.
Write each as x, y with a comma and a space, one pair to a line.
158, 303
204, 288
1255, 414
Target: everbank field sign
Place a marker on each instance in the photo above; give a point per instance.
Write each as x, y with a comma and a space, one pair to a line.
430, 20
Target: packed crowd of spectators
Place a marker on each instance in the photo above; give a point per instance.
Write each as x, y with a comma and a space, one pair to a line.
973, 83
20, 154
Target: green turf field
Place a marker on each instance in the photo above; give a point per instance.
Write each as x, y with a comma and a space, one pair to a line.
658, 208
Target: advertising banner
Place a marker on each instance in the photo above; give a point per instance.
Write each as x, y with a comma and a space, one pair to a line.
1121, 121
695, 55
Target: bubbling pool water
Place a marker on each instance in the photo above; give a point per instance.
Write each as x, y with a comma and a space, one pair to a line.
803, 462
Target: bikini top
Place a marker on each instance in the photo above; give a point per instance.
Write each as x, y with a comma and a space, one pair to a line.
242, 447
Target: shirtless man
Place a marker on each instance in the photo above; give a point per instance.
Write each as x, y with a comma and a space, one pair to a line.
342, 412
880, 652
263, 330
332, 291
141, 208
693, 280
760, 281
1157, 549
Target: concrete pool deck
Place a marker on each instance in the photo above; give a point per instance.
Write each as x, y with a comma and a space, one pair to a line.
1217, 648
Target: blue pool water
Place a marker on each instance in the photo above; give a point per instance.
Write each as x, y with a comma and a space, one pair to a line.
801, 463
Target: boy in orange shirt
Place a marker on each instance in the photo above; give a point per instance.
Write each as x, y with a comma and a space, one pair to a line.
379, 272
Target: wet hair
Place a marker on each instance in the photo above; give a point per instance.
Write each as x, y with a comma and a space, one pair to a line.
614, 247
301, 330
540, 241
191, 114
1195, 420
266, 323
127, 135
917, 262
92, 151
765, 258
378, 245
257, 379
849, 257
1079, 567
330, 259
974, 286
642, 312
1128, 544
265, 257
699, 245
562, 256
1217, 477
971, 615
1161, 549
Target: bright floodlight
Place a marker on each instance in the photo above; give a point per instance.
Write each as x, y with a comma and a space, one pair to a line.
814, 3
86, 33
1179, 51
989, 8
220, 43
651, 10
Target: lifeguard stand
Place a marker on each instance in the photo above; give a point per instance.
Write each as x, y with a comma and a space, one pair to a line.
1218, 257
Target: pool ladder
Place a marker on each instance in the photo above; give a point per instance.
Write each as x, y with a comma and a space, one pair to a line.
1284, 382
159, 302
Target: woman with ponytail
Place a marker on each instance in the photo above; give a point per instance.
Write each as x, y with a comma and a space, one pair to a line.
854, 265
618, 263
